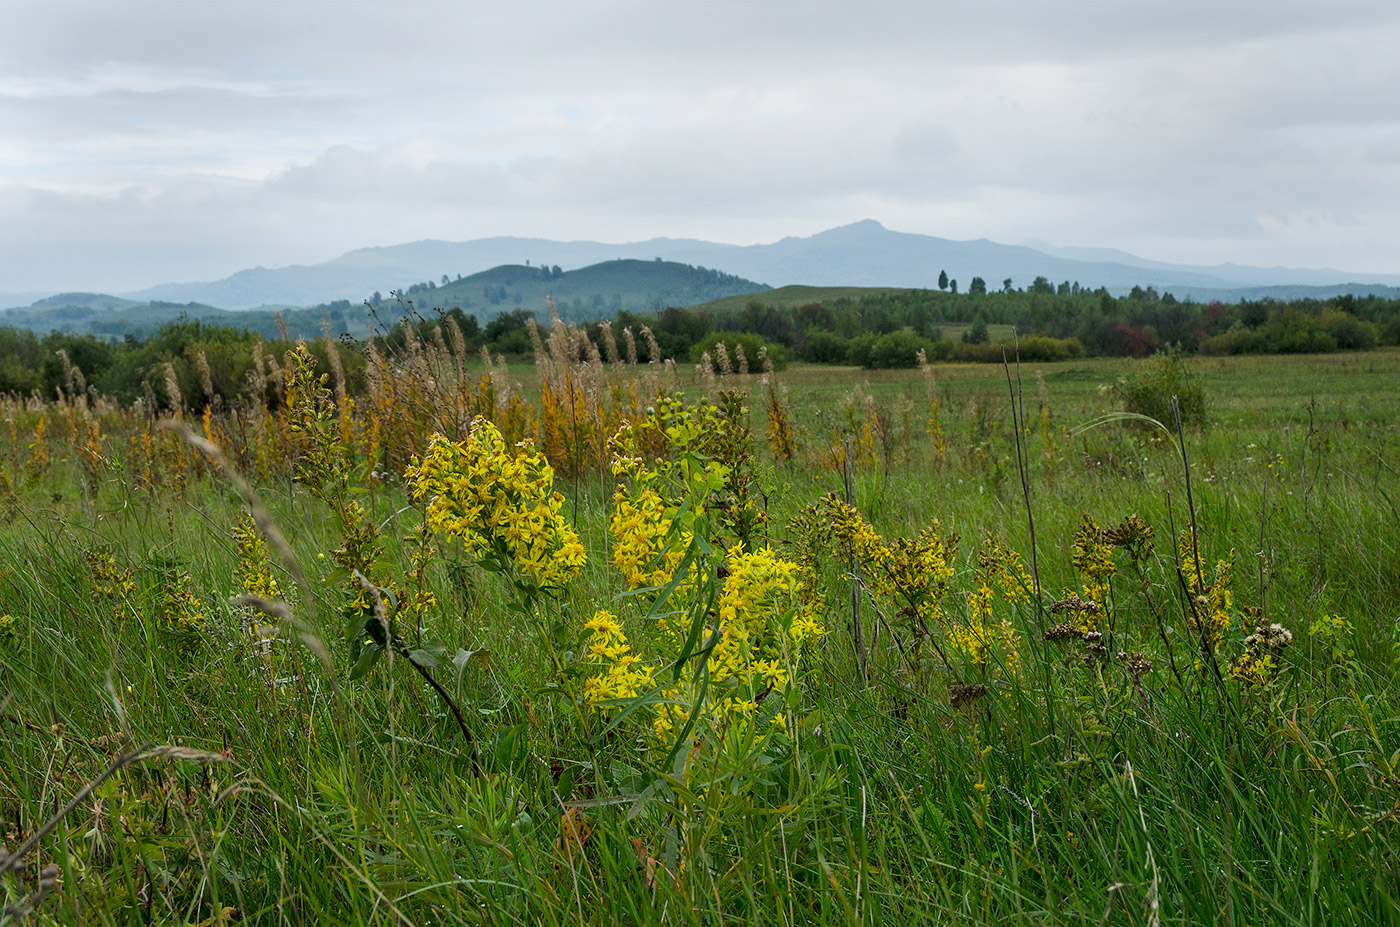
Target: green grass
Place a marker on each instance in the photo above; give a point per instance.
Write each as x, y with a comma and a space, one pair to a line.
1073, 796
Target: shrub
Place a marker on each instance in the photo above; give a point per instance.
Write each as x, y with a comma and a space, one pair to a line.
1350, 333
1030, 348
898, 349
751, 344
825, 347
858, 350
1150, 388
1239, 339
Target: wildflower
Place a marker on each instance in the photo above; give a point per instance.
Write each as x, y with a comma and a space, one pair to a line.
500, 502
1093, 559
1136, 664
1211, 598
9, 630
179, 609
111, 582
623, 675
253, 574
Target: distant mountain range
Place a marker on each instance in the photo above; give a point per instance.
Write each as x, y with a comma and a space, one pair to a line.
861, 254
592, 292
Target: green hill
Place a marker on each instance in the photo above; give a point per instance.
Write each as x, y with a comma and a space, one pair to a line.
791, 297
589, 293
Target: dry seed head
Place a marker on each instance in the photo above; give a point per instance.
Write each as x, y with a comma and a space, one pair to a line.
1270, 638
1073, 603
1064, 632
960, 696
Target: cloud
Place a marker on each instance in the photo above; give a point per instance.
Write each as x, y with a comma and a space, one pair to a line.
146, 142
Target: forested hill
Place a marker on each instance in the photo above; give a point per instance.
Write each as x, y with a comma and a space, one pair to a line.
589, 293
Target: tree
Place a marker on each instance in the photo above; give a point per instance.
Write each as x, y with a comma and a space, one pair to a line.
978, 286
1006, 285
977, 334
953, 287
943, 280
445, 280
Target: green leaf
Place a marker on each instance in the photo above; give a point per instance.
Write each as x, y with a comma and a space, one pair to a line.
369, 655
429, 655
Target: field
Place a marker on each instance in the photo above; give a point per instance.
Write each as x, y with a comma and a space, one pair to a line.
390, 698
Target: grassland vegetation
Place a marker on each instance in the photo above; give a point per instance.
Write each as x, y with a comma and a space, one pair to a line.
404, 632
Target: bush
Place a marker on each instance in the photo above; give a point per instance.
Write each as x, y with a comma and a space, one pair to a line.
751, 344
1239, 339
898, 349
858, 350
1150, 388
1390, 331
1030, 348
825, 347
1350, 333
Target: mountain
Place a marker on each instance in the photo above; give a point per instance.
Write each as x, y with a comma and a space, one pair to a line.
592, 292
358, 274
861, 254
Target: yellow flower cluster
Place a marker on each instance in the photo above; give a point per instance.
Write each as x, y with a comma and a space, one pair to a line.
644, 549
763, 599
253, 574
9, 630
1212, 602
1254, 669
999, 572
979, 642
767, 619
500, 501
1093, 559
625, 676
179, 609
111, 582
649, 533
917, 570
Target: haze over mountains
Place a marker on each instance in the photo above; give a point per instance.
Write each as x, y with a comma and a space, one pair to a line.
861, 254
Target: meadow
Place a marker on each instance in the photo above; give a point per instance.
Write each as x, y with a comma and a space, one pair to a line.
957, 644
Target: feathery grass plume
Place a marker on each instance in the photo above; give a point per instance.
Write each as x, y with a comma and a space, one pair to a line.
175, 401
653, 362
609, 343
631, 348
705, 370
741, 362
541, 356
726, 369
206, 377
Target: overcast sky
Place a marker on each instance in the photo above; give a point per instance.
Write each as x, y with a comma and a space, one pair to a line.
148, 142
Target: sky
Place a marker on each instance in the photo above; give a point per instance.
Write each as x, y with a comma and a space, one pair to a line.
143, 142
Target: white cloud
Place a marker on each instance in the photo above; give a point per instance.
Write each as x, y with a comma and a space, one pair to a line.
143, 142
